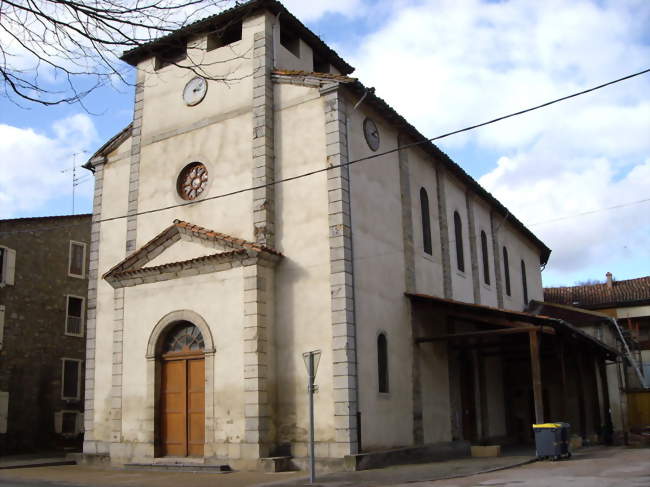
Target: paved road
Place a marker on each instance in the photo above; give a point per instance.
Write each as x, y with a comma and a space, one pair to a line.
607, 467
594, 467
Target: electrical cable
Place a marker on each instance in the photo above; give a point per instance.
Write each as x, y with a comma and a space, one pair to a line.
362, 159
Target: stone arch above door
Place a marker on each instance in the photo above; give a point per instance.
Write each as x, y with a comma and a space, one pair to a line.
160, 330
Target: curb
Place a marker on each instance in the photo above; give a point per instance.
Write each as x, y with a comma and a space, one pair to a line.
471, 474
295, 482
38, 464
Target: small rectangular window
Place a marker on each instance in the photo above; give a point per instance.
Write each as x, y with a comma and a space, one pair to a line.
77, 261
320, 65
290, 41
224, 35
172, 55
71, 379
74, 319
7, 266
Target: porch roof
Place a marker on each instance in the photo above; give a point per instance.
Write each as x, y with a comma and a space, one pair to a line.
488, 315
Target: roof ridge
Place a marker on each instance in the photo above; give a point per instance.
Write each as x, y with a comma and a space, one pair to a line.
133, 56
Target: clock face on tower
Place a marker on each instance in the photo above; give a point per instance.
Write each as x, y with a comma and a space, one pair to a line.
192, 181
371, 132
195, 91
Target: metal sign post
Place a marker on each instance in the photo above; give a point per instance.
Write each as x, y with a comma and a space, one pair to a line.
311, 362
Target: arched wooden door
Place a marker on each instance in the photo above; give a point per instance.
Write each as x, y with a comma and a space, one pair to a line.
182, 392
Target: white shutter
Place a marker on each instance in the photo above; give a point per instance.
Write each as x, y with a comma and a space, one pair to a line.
4, 410
2, 324
10, 266
80, 423
58, 422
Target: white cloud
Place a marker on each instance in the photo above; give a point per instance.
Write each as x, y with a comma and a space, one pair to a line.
470, 61
31, 163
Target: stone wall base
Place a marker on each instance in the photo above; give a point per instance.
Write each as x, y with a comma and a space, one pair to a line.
96, 447
416, 454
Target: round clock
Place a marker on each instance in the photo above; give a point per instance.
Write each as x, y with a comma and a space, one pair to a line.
192, 181
371, 133
195, 91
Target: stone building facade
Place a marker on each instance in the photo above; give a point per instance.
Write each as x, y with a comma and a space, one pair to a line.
43, 290
204, 298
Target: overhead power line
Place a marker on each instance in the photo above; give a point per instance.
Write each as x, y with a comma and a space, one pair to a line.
590, 212
355, 161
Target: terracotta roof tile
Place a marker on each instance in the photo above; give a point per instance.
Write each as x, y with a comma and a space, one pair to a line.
222, 237
312, 74
243, 9
156, 245
180, 263
627, 292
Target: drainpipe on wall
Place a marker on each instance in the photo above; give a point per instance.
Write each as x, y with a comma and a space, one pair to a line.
354, 301
628, 354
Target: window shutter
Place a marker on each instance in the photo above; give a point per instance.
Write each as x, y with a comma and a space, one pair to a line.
10, 266
4, 411
80, 423
58, 422
2, 324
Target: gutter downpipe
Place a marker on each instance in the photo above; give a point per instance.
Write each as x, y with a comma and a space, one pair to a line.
628, 354
354, 290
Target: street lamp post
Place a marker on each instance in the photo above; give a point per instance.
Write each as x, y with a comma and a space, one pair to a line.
311, 362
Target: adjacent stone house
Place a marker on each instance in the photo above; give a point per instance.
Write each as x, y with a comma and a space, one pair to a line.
288, 209
43, 290
627, 301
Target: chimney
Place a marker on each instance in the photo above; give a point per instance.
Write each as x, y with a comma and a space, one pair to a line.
609, 280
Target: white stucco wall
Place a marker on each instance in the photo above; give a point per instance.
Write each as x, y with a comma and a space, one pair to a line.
303, 303
488, 292
428, 268
519, 249
111, 251
216, 297
461, 281
380, 304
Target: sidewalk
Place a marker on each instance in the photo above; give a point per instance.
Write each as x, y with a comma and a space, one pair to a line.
78, 475
41, 459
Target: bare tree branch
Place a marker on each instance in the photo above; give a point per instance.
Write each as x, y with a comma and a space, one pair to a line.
58, 51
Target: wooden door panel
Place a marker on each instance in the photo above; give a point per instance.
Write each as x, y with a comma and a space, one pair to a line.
196, 406
173, 408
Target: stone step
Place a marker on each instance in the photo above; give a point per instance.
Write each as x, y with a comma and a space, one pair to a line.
276, 464
180, 467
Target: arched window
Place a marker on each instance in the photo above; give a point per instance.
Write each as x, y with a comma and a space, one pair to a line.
486, 264
523, 281
458, 230
506, 270
382, 362
183, 337
426, 221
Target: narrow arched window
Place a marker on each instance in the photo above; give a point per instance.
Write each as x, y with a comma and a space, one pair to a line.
506, 270
523, 282
426, 221
382, 362
458, 230
486, 264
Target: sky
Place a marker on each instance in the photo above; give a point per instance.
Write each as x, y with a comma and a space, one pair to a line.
445, 65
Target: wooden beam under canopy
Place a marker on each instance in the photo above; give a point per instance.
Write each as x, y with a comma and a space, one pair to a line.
487, 320
536, 371
484, 333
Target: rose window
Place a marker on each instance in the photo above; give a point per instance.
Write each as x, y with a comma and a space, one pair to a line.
192, 181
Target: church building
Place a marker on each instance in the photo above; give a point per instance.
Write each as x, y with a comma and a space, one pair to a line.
262, 204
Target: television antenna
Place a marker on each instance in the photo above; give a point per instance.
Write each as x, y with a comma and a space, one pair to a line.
76, 180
